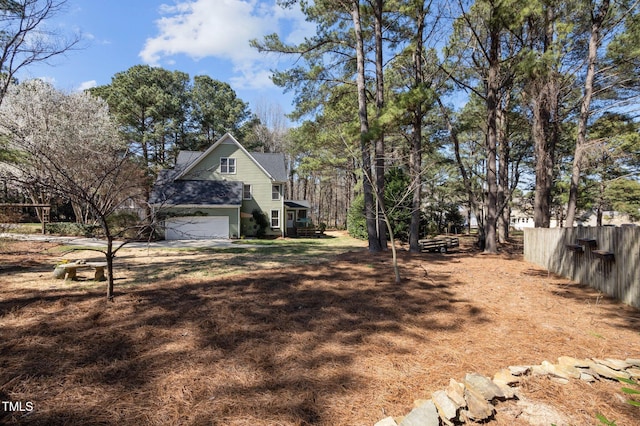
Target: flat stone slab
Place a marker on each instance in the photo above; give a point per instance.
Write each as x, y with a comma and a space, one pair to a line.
447, 409
634, 372
586, 377
388, 421
564, 371
614, 364
477, 407
519, 370
425, 415
482, 386
633, 361
455, 391
504, 376
609, 373
574, 362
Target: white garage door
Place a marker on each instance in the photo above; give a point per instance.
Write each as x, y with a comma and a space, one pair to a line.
196, 227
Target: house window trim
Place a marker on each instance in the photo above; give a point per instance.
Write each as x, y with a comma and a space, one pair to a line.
228, 166
277, 217
273, 187
244, 192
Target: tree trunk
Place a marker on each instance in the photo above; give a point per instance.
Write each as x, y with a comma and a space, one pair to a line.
493, 83
365, 137
545, 132
379, 146
543, 165
598, 17
471, 195
503, 173
416, 137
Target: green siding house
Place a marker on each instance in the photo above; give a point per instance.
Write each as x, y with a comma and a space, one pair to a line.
213, 194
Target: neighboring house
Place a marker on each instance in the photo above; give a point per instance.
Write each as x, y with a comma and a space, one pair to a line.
213, 194
520, 220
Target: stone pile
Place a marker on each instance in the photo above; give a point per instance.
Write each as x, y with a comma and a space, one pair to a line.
475, 398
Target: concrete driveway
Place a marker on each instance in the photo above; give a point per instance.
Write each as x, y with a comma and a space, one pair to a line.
96, 242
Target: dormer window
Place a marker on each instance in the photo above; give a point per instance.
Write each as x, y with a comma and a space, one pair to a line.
227, 166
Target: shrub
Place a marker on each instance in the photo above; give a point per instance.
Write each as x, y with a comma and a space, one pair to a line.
356, 222
73, 229
262, 222
125, 223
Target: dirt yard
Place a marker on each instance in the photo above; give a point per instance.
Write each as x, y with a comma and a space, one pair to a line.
230, 338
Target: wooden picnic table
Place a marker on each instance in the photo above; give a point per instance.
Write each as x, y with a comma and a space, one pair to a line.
441, 244
309, 231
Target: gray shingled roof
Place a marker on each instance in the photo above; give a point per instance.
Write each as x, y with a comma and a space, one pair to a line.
273, 163
168, 192
187, 157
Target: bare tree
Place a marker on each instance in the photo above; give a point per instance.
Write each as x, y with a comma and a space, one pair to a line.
25, 38
272, 129
69, 147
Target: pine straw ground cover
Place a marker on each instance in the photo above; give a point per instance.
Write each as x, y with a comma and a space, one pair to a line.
329, 343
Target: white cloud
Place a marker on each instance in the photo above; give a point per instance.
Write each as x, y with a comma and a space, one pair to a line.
223, 29
87, 85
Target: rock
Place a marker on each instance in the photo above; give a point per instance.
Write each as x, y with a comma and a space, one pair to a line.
419, 402
447, 409
633, 361
477, 407
587, 377
561, 370
539, 370
455, 392
574, 362
614, 364
503, 379
568, 371
508, 391
482, 386
634, 372
59, 273
560, 380
389, 421
519, 370
604, 371
539, 414
425, 415
504, 376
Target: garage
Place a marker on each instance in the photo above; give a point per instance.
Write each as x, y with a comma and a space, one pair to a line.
197, 227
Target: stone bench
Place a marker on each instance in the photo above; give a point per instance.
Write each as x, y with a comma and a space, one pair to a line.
69, 270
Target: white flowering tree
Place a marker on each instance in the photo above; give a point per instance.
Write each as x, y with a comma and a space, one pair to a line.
66, 145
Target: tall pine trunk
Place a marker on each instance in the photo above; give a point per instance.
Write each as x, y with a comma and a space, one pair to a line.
379, 145
365, 137
545, 131
598, 17
416, 136
493, 83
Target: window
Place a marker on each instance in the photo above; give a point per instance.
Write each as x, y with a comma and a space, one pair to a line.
246, 192
275, 192
227, 165
275, 218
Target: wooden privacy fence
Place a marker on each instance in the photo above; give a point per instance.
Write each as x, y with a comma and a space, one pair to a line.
605, 258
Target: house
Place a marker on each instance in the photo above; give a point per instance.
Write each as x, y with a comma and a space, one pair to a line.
214, 194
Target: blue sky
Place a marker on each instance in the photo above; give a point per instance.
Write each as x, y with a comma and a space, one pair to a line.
199, 37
